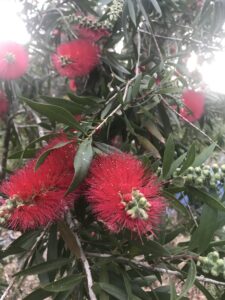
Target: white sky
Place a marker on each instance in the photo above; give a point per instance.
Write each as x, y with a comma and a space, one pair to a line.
11, 26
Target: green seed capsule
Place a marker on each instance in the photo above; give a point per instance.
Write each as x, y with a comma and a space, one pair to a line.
202, 259
190, 170
214, 256
220, 262
207, 167
214, 272
198, 170
206, 173
189, 178
217, 176
205, 270
212, 184
215, 167
223, 168
199, 181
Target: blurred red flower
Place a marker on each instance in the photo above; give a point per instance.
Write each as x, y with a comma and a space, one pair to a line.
122, 196
35, 198
90, 34
194, 103
72, 85
76, 58
4, 105
13, 60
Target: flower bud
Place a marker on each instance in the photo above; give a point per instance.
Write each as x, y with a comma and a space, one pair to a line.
215, 167
214, 272
190, 170
206, 173
214, 256
198, 170
217, 176
223, 168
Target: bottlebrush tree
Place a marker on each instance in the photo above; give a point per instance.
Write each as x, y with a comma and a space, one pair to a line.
106, 144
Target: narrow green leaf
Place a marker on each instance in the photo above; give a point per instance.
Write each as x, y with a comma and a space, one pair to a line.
45, 267
156, 249
169, 90
106, 148
157, 7
69, 105
136, 84
176, 203
199, 195
113, 290
189, 282
173, 293
21, 244
174, 233
176, 164
103, 277
204, 290
127, 286
85, 100
82, 162
153, 129
52, 243
147, 145
189, 160
64, 284
54, 113
132, 11
45, 154
38, 294
204, 155
114, 63
28, 153
203, 235
168, 156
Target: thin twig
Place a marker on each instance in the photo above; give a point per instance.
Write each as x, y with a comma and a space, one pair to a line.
191, 124
137, 71
73, 242
87, 269
180, 39
146, 266
104, 121
156, 43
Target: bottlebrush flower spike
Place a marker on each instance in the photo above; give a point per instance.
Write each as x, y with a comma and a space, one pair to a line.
35, 198
13, 60
90, 34
122, 196
4, 105
194, 105
76, 58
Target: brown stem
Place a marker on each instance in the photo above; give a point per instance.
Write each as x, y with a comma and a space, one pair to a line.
6, 143
73, 242
146, 266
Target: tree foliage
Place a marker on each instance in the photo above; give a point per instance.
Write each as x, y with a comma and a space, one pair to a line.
131, 102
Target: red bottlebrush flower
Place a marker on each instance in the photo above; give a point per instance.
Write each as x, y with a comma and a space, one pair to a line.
72, 85
13, 60
122, 196
76, 58
36, 198
194, 105
89, 33
4, 105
